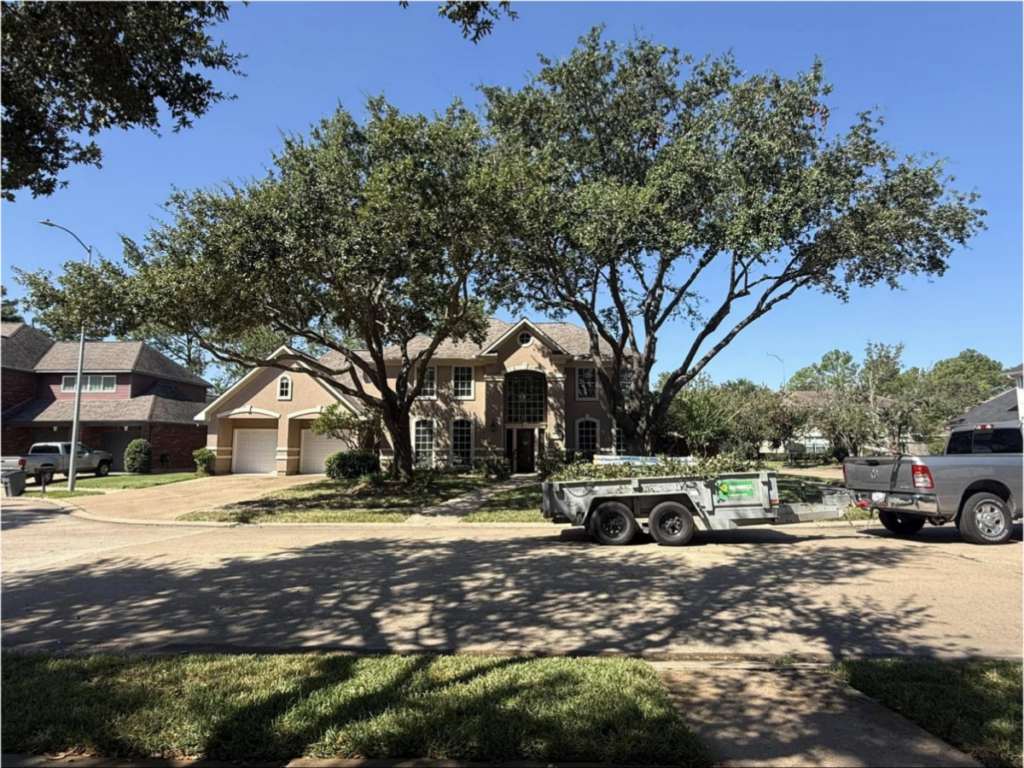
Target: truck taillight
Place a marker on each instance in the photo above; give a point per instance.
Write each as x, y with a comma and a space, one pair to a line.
21, 462
923, 477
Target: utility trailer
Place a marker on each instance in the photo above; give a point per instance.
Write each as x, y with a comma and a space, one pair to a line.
669, 508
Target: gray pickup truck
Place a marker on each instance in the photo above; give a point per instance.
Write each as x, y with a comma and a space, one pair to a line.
977, 484
44, 460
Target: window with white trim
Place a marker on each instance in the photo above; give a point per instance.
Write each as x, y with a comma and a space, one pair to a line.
462, 442
586, 384
284, 388
625, 382
462, 381
620, 442
525, 398
586, 436
429, 388
424, 441
525, 339
90, 384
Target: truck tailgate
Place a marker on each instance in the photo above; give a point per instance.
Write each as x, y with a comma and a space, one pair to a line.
880, 473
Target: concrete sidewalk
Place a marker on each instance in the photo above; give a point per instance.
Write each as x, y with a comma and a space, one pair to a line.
797, 717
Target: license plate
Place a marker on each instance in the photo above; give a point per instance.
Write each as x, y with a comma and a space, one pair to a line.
877, 496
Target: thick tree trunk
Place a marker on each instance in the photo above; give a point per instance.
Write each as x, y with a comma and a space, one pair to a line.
397, 425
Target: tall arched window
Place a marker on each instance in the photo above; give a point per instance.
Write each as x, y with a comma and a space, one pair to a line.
284, 387
525, 398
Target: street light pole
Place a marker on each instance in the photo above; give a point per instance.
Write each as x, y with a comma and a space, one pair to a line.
73, 461
769, 354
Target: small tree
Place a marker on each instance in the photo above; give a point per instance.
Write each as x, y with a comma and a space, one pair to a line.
138, 457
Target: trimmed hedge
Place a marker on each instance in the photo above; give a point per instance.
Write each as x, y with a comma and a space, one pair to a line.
138, 457
348, 464
203, 457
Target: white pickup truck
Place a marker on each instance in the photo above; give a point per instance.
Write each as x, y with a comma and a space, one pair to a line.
977, 484
44, 460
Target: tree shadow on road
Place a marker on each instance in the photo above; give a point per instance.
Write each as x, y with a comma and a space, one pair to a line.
517, 593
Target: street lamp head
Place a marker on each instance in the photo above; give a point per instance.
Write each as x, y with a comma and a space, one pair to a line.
47, 223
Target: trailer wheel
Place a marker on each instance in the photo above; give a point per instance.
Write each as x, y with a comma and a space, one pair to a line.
901, 525
671, 524
613, 523
985, 519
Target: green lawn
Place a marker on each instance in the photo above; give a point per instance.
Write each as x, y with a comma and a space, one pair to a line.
519, 505
276, 707
973, 705
57, 493
342, 501
134, 481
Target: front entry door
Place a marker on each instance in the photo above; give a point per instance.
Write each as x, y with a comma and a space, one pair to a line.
525, 460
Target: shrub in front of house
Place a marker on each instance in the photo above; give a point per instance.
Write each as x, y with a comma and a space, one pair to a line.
138, 457
345, 465
203, 457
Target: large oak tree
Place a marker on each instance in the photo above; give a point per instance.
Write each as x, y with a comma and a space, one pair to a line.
639, 195
361, 231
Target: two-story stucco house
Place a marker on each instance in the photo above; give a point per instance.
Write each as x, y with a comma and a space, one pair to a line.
130, 391
530, 387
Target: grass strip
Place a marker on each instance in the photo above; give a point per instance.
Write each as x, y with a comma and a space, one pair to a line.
516, 505
974, 706
276, 707
135, 481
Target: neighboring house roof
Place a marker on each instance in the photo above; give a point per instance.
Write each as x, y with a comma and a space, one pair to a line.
1014, 372
22, 346
162, 403
115, 357
1002, 407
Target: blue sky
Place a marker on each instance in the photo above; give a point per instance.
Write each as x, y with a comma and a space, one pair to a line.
947, 74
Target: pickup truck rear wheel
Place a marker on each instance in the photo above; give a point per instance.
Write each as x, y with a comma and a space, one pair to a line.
902, 525
103, 469
613, 523
671, 524
985, 519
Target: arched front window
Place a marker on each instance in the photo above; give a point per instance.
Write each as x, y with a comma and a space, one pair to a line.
284, 388
525, 398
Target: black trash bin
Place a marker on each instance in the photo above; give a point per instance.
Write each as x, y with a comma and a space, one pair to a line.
14, 482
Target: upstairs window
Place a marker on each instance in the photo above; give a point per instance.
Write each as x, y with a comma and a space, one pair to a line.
284, 388
462, 382
90, 384
586, 384
525, 398
625, 382
429, 388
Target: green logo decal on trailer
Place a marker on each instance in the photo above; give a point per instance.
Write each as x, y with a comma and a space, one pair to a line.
735, 489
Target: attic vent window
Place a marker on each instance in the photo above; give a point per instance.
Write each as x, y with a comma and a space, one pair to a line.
524, 339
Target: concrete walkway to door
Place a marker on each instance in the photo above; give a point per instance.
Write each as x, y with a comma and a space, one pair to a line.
164, 503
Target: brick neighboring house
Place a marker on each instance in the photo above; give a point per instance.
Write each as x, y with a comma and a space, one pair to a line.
529, 388
130, 391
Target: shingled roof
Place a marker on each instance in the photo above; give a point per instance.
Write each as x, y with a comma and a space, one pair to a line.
572, 338
1002, 407
22, 346
115, 357
162, 403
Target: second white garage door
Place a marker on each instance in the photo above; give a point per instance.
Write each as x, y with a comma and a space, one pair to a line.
315, 451
255, 451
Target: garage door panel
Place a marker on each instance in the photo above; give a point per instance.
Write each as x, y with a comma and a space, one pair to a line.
315, 451
255, 451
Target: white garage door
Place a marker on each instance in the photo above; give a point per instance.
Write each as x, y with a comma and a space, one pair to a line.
255, 451
315, 451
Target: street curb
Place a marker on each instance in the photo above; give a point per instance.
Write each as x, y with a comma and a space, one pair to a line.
39, 761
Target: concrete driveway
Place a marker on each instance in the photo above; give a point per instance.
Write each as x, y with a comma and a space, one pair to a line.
804, 592
171, 501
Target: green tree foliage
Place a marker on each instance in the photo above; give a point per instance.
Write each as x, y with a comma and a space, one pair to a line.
737, 416
369, 231
631, 188
476, 17
10, 308
72, 70
836, 370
